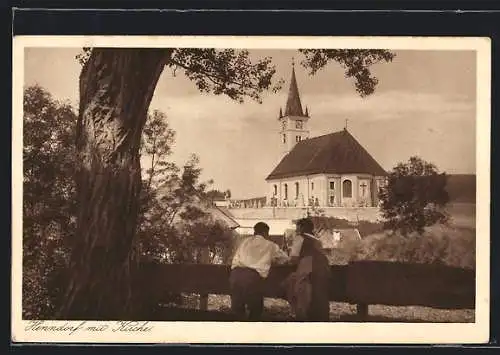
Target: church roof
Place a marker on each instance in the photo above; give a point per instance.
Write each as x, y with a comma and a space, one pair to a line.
293, 105
334, 153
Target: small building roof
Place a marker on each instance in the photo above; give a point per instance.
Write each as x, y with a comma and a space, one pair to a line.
223, 213
334, 153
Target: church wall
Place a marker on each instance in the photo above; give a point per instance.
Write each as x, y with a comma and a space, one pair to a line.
322, 192
364, 191
319, 193
306, 191
378, 183
332, 196
345, 200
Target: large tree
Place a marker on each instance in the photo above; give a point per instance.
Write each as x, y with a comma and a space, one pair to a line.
415, 197
116, 88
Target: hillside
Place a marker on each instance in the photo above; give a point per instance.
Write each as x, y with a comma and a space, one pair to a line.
462, 188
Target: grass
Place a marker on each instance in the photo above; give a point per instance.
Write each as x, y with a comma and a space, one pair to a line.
279, 310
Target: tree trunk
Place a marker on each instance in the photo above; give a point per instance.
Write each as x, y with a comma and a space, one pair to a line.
116, 88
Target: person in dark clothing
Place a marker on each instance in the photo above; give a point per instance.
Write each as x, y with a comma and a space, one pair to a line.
307, 288
250, 266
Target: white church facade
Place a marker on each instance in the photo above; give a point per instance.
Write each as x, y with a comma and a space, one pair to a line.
332, 170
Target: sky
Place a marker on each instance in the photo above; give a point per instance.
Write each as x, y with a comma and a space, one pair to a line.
425, 105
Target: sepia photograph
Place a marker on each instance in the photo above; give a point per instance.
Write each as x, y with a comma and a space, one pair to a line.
250, 189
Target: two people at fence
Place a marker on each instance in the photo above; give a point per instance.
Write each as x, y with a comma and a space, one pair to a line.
306, 288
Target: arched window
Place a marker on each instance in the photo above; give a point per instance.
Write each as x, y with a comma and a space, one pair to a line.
347, 188
296, 190
284, 138
286, 192
275, 190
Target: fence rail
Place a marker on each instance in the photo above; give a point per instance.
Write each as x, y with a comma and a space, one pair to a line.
362, 283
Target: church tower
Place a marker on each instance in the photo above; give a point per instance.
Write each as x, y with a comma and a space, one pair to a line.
294, 120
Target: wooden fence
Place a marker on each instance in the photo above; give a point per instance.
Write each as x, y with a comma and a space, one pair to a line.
362, 283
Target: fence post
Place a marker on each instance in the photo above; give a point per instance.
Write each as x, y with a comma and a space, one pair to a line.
362, 312
205, 259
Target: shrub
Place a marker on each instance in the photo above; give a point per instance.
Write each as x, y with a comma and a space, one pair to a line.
438, 244
367, 228
329, 223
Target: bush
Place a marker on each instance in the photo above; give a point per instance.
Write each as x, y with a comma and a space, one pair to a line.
438, 244
329, 223
367, 228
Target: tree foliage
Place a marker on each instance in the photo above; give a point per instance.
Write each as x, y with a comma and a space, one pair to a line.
175, 222
232, 73
356, 63
48, 198
414, 197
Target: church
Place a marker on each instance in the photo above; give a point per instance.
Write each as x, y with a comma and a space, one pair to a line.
332, 170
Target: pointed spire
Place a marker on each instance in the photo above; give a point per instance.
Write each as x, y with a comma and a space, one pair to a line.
293, 106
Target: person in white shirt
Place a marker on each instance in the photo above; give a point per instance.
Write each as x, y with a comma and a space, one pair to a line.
250, 266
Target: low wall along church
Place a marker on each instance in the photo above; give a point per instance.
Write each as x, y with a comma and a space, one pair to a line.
331, 170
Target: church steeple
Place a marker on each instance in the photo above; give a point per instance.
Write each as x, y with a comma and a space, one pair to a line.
293, 120
293, 105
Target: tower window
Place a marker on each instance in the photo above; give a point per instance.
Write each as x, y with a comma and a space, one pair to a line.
275, 190
312, 186
347, 188
286, 192
298, 138
296, 190
284, 138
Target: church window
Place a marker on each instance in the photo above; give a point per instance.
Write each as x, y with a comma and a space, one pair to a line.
296, 190
332, 185
298, 124
347, 188
286, 192
332, 200
312, 186
284, 138
275, 190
